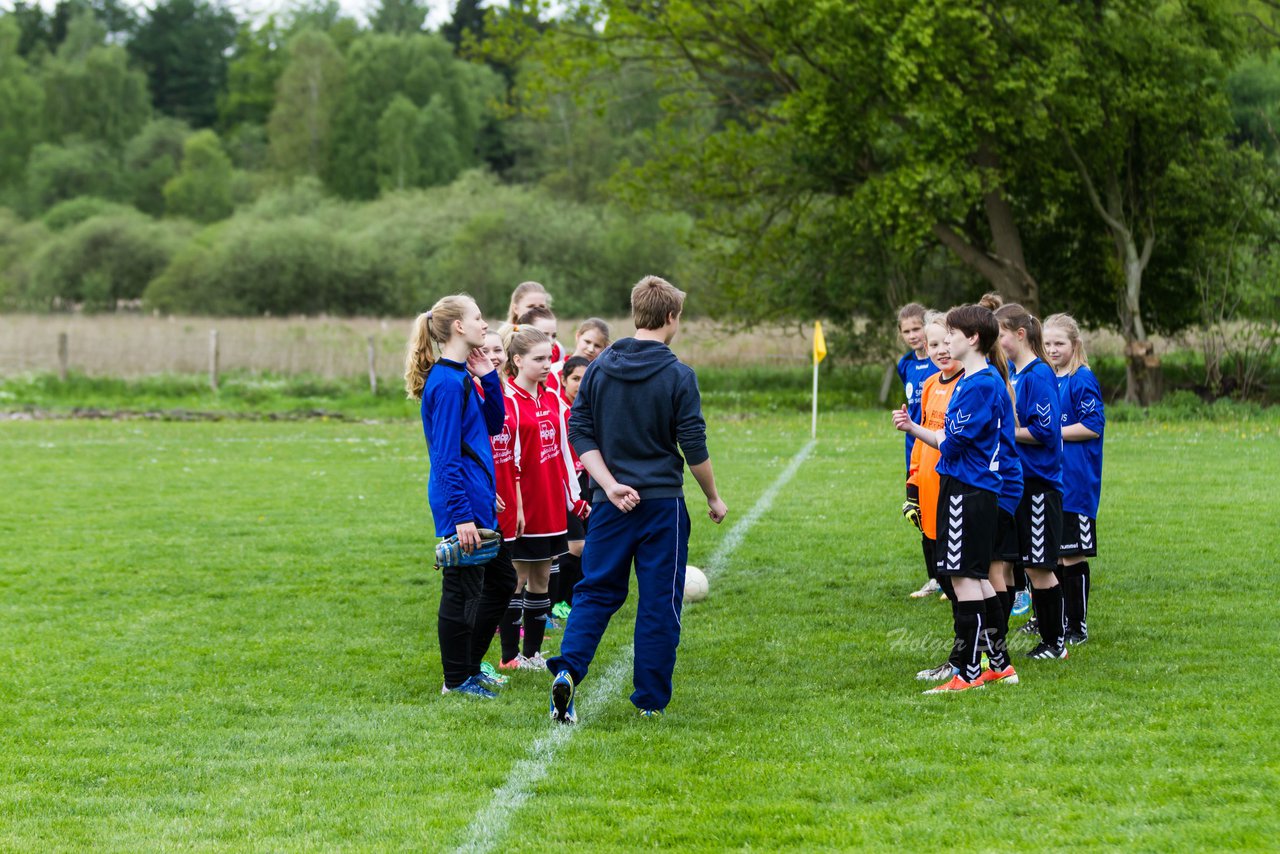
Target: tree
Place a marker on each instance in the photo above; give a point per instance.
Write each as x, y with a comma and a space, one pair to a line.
21, 104
89, 90
202, 188
257, 61
398, 132
151, 159
906, 125
466, 27
398, 16
56, 173
306, 94
438, 138
1143, 125
380, 66
182, 45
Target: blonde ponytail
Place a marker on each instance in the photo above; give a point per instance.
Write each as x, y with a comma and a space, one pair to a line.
518, 339
434, 325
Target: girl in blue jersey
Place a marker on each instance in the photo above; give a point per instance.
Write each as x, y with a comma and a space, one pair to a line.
1039, 437
970, 481
1006, 552
915, 366
1083, 422
457, 420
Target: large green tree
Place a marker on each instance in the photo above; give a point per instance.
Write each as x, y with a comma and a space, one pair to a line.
21, 105
90, 91
306, 94
182, 45
894, 126
257, 61
380, 66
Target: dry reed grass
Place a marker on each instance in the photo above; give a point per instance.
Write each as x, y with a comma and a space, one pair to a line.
130, 345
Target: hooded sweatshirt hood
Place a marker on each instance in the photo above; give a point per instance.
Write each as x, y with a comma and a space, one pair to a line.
631, 360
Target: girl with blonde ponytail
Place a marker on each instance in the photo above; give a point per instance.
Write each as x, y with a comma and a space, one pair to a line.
462, 406
1083, 423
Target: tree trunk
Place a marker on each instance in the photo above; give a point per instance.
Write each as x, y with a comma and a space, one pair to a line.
1012, 283
1142, 366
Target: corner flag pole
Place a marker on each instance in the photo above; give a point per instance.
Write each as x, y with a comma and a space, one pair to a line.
819, 353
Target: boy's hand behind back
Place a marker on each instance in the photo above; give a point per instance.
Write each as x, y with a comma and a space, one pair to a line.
623, 497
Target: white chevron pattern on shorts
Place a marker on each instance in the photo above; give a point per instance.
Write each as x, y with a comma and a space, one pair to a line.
1037, 528
955, 533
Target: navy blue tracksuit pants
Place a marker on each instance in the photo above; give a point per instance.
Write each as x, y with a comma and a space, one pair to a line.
656, 536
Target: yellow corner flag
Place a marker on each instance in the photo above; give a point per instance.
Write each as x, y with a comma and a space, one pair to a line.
819, 353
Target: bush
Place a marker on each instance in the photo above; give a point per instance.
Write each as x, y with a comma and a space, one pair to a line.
102, 261
18, 243
64, 215
298, 265
57, 173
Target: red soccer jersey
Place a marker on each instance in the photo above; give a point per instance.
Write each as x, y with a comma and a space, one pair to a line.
547, 484
578, 467
504, 466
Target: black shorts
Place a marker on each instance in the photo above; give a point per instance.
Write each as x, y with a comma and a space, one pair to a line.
1079, 536
577, 530
539, 548
966, 529
1006, 544
1039, 525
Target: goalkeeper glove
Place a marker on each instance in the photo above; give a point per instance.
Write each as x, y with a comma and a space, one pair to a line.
911, 507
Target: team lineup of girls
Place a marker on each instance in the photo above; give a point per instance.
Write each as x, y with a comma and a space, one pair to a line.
495, 412
1004, 469
1003, 421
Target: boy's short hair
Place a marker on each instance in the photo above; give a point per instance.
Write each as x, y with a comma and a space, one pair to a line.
653, 300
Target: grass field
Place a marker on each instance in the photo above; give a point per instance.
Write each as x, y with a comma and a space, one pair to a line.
221, 636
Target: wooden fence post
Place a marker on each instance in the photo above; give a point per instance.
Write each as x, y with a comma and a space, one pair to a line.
373, 371
213, 359
63, 356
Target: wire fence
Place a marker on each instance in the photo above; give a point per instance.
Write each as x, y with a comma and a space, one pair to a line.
131, 345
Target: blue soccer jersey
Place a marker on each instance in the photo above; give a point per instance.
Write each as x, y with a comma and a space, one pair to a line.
1081, 401
1008, 463
913, 372
970, 444
1040, 412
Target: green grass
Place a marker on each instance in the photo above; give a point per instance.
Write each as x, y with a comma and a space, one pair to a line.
222, 636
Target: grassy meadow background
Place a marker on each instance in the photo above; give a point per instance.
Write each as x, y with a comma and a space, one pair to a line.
222, 636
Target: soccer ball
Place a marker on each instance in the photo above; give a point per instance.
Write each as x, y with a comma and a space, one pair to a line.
695, 584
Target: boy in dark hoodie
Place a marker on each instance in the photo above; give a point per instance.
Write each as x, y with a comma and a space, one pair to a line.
637, 411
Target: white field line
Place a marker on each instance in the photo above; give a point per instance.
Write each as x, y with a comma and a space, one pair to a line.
492, 821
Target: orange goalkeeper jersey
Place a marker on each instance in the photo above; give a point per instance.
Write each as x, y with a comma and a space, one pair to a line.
934, 398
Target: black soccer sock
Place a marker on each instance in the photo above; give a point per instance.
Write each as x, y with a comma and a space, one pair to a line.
1088, 591
1072, 596
1049, 614
944, 581
570, 575
997, 632
969, 622
509, 628
1006, 604
536, 608
553, 584
1019, 577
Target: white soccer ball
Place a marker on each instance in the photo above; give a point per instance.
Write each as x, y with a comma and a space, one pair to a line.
695, 584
